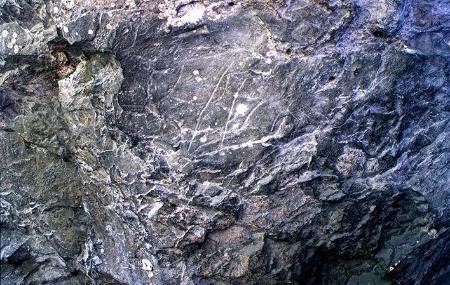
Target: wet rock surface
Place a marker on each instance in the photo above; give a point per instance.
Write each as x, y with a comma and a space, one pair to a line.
225, 142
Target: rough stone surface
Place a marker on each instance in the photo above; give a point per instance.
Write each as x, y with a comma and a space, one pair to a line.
225, 142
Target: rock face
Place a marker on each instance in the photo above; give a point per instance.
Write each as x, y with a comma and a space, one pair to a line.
225, 142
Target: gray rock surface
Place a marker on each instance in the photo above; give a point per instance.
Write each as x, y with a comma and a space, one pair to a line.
225, 142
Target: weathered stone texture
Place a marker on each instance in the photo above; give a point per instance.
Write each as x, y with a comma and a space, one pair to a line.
225, 142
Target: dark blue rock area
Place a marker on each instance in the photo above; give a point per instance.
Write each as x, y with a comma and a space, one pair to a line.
225, 142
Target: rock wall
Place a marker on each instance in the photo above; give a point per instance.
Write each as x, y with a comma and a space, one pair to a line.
225, 142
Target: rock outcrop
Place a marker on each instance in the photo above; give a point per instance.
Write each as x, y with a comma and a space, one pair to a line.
225, 142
